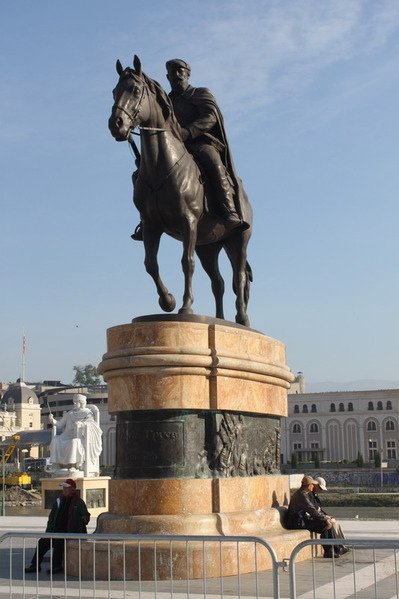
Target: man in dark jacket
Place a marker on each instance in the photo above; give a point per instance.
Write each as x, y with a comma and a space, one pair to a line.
68, 514
303, 513
336, 529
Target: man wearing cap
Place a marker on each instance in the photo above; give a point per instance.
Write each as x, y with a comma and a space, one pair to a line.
68, 514
204, 136
321, 487
302, 513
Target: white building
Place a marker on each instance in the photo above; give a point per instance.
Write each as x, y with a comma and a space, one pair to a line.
19, 412
339, 425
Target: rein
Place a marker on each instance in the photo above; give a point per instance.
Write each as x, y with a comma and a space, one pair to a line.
150, 129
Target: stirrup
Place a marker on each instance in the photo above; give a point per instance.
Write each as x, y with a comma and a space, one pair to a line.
138, 233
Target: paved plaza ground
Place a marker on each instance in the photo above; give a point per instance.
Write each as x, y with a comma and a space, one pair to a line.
317, 573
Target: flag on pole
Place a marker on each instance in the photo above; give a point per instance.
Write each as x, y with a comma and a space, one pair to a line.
24, 343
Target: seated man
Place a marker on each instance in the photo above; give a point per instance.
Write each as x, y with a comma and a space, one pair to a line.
302, 513
338, 534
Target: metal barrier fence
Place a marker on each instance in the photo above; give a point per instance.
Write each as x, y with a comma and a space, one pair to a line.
139, 566
162, 566
371, 570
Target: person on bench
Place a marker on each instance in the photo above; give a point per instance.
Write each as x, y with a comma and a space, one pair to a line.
338, 533
303, 513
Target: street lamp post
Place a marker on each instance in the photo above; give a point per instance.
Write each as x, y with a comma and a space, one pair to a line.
3, 503
24, 452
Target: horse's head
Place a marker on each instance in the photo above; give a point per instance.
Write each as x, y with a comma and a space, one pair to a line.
131, 105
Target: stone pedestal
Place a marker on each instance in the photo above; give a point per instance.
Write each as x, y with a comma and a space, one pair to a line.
198, 404
94, 492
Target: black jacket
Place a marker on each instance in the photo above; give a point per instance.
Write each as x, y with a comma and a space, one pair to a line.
78, 516
302, 509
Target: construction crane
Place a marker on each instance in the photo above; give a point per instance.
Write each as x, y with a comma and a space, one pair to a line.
15, 439
16, 478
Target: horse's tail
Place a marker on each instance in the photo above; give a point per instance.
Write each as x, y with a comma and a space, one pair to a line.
248, 271
249, 279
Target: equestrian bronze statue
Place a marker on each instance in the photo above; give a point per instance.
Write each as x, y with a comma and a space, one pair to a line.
186, 184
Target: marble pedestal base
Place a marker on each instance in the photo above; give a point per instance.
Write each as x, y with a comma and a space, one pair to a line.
198, 403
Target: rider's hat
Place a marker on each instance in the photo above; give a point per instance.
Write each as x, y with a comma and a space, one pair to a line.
179, 62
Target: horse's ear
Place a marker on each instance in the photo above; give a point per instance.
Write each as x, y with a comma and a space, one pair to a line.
119, 67
137, 65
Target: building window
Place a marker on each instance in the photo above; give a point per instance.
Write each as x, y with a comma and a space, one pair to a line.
297, 429
305, 409
372, 449
389, 405
391, 450
390, 425
371, 426
332, 407
371, 406
296, 409
314, 445
379, 405
30, 424
314, 428
341, 407
297, 449
350, 407
313, 408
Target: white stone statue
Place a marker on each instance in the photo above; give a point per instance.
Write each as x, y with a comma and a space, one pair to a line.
77, 449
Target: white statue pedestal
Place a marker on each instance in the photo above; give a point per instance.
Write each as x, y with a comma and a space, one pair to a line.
93, 491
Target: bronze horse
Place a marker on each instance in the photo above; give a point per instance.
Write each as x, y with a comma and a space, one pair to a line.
169, 194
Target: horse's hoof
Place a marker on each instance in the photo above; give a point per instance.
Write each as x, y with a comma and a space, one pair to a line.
244, 320
186, 311
167, 303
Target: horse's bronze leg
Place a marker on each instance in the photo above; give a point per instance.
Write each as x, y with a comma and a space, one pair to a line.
189, 233
236, 249
208, 255
151, 238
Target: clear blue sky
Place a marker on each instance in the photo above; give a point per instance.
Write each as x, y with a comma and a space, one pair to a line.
310, 95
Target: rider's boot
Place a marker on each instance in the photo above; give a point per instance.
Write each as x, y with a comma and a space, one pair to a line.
230, 217
138, 232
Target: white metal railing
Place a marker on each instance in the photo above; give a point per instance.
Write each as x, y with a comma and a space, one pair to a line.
153, 559
371, 570
161, 566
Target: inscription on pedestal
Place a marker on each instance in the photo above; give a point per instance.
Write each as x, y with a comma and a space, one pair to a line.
156, 444
196, 444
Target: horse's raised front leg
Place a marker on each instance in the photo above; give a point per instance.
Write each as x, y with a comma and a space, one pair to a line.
209, 254
236, 249
189, 231
151, 238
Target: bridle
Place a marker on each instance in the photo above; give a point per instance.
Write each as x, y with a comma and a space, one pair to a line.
136, 112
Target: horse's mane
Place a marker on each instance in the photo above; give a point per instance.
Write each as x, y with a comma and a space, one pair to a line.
165, 103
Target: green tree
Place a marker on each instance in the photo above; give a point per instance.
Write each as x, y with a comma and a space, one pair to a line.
377, 459
294, 461
359, 460
86, 376
316, 459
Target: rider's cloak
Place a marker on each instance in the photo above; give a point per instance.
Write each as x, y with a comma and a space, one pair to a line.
197, 111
